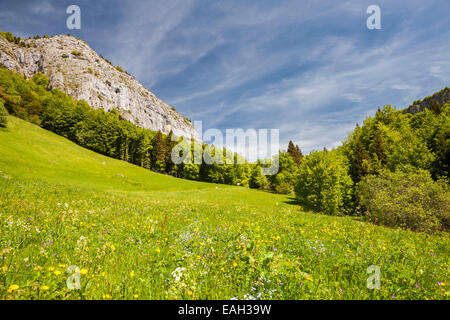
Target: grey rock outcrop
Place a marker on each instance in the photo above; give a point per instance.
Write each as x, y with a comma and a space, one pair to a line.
442, 97
72, 66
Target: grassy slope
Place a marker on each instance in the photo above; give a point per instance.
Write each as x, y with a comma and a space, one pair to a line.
140, 226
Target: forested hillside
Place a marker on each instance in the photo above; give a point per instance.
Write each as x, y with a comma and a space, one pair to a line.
340, 181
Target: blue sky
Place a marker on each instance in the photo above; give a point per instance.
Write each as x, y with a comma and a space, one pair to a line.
309, 68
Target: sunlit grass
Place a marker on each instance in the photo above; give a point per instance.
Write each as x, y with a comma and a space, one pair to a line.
135, 234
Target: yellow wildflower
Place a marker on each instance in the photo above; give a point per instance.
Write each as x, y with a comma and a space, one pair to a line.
13, 288
83, 271
44, 288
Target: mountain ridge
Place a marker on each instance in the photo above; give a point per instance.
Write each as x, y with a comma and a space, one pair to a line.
75, 68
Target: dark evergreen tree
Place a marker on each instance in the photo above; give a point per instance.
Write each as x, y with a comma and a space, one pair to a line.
295, 153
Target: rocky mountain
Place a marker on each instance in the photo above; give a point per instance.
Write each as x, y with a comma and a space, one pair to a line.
76, 69
442, 97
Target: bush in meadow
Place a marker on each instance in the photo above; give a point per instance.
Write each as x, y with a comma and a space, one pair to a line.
409, 199
3, 115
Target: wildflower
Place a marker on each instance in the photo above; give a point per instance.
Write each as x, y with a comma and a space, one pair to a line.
393, 297
57, 272
83, 271
234, 264
189, 293
158, 250
4, 268
106, 296
113, 247
37, 268
13, 288
51, 269
44, 288
136, 296
132, 274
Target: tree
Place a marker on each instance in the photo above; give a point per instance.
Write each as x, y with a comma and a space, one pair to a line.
435, 107
159, 152
295, 153
3, 115
323, 183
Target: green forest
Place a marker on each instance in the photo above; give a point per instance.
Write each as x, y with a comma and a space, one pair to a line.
391, 170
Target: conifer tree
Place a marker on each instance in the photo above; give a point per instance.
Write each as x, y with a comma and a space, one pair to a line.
295, 153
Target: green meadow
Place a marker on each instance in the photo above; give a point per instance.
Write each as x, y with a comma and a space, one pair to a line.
136, 234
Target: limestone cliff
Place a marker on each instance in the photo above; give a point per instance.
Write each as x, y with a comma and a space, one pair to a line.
75, 68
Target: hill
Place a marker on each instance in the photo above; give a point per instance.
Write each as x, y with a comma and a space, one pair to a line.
135, 234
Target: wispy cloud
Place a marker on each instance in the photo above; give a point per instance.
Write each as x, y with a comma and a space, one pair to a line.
310, 68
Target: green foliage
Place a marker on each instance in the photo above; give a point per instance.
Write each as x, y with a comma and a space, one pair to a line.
3, 115
386, 141
295, 153
8, 36
129, 229
409, 199
76, 53
40, 80
323, 183
118, 68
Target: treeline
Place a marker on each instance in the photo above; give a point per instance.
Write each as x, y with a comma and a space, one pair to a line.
111, 135
393, 170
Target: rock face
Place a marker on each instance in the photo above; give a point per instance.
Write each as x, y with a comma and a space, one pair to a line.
442, 97
72, 66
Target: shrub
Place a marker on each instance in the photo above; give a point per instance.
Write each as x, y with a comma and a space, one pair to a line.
408, 199
323, 183
3, 115
76, 53
118, 68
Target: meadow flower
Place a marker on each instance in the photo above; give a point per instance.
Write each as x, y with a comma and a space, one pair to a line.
83, 271
136, 296
189, 293
13, 288
44, 288
57, 272
132, 274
